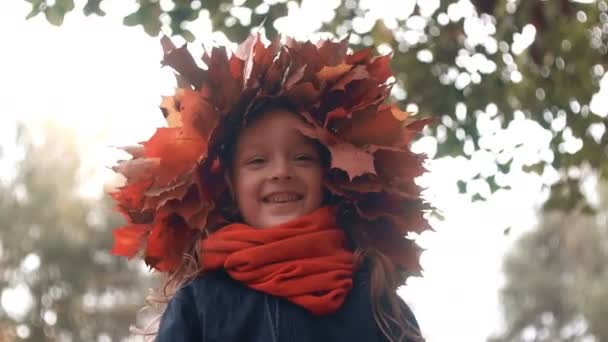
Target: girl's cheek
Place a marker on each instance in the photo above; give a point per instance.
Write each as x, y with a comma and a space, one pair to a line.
251, 181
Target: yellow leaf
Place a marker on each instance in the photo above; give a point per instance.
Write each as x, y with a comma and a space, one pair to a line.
332, 73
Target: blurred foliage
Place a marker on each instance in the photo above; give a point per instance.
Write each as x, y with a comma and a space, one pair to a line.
462, 64
54, 245
556, 279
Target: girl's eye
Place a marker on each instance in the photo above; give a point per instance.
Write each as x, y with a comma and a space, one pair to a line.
305, 157
255, 161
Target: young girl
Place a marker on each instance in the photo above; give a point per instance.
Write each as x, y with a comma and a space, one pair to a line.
279, 197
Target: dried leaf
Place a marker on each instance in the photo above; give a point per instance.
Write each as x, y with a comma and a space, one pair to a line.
178, 153
225, 87
406, 215
332, 73
303, 94
168, 240
336, 114
339, 183
403, 164
373, 125
128, 240
404, 252
344, 156
198, 116
137, 170
293, 76
130, 196
274, 75
380, 68
157, 197
359, 72
359, 57
332, 53
182, 62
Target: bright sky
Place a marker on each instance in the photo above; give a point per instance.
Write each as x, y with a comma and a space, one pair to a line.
103, 79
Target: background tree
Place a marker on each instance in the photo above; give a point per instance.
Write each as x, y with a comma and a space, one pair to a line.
556, 279
54, 251
481, 68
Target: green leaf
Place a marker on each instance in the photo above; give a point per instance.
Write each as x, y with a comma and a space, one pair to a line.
152, 26
462, 186
37, 7
537, 168
54, 15
66, 5
492, 183
504, 168
188, 36
132, 19
147, 15
477, 197
92, 7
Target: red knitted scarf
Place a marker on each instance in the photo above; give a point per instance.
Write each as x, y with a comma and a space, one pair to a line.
304, 260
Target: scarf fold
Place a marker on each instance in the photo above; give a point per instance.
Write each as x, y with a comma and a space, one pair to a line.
304, 260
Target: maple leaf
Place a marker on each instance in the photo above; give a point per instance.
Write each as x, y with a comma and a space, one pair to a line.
178, 153
224, 83
338, 113
344, 156
257, 58
272, 80
338, 182
137, 170
332, 53
359, 72
380, 68
393, 163
188, 205
304, 53
168, 240
359, 57
404, 252
406, 215
360, 94
304, 94
181, 60
130, 196
373, 125
129, 239
197, 114
332, 73
156, 197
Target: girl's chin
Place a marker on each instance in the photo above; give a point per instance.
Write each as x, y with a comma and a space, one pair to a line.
270, 218
275, 221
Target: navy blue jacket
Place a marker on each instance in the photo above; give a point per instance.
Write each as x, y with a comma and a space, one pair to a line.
216, 308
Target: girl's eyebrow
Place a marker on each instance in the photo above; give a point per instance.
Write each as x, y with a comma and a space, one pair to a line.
256, 145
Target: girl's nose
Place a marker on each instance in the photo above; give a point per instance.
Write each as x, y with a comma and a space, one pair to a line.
280, 169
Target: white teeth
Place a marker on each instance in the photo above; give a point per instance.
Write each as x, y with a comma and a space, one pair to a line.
282, 198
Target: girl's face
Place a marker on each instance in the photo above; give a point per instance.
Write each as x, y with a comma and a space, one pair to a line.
276, 171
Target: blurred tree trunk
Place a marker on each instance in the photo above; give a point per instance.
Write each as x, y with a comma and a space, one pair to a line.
556, 279
56, 243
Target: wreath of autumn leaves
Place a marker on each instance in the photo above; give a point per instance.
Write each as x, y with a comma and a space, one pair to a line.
175, 179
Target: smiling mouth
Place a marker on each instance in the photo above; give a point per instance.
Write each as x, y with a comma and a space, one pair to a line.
282, 197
